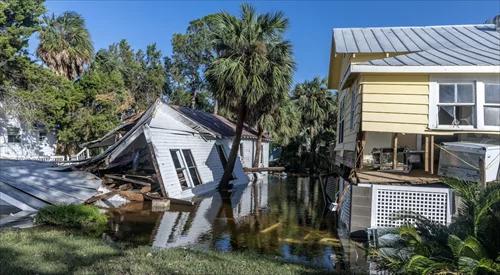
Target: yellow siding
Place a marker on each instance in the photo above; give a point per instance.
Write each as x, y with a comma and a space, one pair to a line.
415, 89
395, 98
395, 103
395, 118
340, 62
394, 108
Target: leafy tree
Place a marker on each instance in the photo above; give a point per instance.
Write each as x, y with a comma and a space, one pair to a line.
19, 19
282, 124
65, 45
192, 53
254, 67
317, 108
50, 100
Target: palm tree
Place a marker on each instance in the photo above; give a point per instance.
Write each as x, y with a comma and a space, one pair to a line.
317, 107
65, 44
254, 68
282, 123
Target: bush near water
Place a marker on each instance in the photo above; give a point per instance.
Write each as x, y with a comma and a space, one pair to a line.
87, 218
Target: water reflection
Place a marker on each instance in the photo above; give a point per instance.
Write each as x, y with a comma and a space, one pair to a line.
284, 217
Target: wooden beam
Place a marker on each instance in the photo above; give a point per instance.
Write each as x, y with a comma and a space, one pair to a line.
101, 197
432, 155
360, 145
263, 169
157, 169
124, 179
482, 173
395, 151
426, 154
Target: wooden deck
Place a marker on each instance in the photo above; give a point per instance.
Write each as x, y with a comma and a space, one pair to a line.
414, 177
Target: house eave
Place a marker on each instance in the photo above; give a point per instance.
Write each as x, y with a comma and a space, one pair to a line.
423, 69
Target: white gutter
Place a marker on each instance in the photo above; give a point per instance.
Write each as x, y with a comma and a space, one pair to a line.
423, 69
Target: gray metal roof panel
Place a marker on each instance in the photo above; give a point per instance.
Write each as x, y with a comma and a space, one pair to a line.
339, 41
443, 57
361, 41
433, 45
374, 45
349, 40
407, 42
381, 38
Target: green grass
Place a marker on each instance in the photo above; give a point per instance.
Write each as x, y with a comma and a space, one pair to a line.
45, 250
85, 217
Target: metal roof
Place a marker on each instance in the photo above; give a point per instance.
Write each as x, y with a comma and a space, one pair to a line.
215, 123
453, 45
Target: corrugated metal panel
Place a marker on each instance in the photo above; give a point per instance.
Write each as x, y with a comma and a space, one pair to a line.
436, 45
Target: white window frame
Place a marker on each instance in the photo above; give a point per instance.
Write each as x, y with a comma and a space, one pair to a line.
484, 104
18, 138
185, 168
478, 82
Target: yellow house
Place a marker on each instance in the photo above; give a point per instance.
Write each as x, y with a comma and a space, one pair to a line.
404, 92
414, 85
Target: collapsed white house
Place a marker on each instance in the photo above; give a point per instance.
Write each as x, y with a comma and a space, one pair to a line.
185, 150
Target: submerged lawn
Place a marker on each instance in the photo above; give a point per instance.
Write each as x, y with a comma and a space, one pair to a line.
45, 250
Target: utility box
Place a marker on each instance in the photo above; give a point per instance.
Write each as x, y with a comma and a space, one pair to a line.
465, 160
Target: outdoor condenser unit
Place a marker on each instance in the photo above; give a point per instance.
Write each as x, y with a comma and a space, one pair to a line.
461, 160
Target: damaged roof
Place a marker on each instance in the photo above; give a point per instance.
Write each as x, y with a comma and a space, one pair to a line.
219, 125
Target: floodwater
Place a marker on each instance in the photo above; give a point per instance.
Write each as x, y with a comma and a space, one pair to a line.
274, 216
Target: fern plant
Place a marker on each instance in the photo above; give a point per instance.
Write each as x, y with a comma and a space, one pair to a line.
467, 246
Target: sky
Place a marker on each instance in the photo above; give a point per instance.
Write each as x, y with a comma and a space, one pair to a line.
311, 22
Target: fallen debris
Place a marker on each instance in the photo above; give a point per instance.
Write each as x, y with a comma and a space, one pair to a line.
27, 186
46, 183
160, 205
264, 169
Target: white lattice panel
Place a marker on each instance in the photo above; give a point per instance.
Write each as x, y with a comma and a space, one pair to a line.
389, 202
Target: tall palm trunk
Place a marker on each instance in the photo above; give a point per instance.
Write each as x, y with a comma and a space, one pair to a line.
260, 136
193, 99
216, 106
228, 172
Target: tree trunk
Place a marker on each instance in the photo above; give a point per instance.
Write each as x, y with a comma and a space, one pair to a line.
228, 172
216, 106
313, 165
193, 100
258, 149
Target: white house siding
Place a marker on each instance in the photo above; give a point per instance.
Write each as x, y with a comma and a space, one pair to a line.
30, 146
238, 166
205, 156
249, 148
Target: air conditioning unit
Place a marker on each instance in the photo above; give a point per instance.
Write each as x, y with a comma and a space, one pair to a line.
461, 160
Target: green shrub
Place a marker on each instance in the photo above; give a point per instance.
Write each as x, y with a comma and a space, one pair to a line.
85, 217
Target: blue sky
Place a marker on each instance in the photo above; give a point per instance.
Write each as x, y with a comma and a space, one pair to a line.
311, 22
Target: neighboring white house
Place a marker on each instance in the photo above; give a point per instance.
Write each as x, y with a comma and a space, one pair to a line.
19, 140
185, 149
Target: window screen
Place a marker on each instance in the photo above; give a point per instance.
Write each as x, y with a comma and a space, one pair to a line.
13, 135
